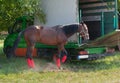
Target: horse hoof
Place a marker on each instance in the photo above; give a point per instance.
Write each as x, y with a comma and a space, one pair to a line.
61, 68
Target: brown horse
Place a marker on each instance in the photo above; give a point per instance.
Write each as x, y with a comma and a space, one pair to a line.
56, 35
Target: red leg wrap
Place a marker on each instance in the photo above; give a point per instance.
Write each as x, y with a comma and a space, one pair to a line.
58, 62
30, 63
64, 58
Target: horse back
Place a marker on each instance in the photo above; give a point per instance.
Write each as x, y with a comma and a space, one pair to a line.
32, 33
50, 36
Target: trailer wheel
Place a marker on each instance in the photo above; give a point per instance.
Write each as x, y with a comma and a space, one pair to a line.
7, 51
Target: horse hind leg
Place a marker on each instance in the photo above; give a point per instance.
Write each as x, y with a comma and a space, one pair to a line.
30, 61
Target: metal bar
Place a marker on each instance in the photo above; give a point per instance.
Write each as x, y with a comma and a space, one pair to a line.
116, 14
80, 19
102, 24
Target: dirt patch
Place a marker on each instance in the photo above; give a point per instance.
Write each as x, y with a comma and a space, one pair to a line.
45, 65
51, 67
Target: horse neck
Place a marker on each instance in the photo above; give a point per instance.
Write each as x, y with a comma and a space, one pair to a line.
69, 30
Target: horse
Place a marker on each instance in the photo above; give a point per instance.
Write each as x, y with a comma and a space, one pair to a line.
56, 35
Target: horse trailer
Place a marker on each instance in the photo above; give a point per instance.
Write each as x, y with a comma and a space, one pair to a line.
101, 17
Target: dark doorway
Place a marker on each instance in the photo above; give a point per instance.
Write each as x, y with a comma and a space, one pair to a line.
94, 28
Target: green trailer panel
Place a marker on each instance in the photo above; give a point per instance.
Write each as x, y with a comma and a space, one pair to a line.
103, 13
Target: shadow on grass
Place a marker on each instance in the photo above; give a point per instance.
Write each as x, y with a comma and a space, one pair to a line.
109, 62
18, 64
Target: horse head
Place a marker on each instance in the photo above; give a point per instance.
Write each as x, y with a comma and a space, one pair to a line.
83, 31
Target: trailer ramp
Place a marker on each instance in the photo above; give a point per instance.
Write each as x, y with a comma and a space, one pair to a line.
100, 47
109, 40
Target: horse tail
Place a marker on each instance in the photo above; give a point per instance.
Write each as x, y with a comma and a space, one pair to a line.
16, 42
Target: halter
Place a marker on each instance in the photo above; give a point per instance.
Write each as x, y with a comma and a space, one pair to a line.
82, 31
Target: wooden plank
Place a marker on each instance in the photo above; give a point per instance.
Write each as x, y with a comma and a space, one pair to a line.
109, 40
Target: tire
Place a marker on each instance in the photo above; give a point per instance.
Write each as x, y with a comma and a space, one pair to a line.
7, 52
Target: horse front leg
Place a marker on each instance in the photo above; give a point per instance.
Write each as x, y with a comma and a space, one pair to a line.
56, 58
61, 51
29, 53
62, 55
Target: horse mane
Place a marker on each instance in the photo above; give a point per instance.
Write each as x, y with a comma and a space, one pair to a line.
56, 27
70, 29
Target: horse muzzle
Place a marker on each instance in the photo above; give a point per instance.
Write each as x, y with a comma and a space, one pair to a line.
86, 38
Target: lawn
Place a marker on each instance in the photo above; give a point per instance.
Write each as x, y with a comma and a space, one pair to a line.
15, 70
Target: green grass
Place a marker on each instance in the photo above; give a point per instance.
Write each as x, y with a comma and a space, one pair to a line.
15, 70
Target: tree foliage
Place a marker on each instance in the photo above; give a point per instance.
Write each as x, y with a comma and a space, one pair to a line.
12, 9
119, 5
